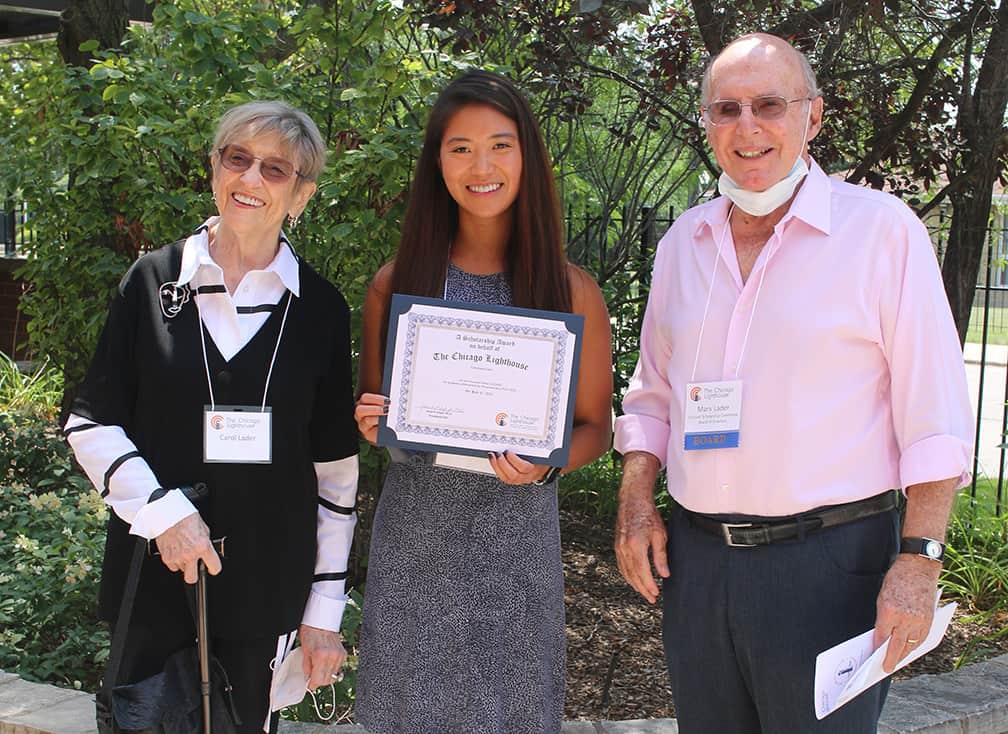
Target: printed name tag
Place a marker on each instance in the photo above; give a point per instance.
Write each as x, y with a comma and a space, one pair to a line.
713, 415
237, 434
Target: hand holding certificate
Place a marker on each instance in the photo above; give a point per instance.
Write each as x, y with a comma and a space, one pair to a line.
471, 379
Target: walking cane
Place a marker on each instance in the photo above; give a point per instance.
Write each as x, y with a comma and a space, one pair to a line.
203, 643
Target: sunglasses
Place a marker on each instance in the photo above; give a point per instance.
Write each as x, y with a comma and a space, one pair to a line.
771, 107
238, 159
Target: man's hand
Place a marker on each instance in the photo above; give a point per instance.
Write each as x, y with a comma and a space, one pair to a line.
905, 607
323, 655
639, 527
184, 544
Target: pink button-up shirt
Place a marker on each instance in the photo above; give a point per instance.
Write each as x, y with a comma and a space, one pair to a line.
853, 377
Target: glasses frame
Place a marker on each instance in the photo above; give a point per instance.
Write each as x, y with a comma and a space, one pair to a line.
271, 179
705, 110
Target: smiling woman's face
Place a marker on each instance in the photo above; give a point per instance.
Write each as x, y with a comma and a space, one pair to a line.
247, 201
481, 161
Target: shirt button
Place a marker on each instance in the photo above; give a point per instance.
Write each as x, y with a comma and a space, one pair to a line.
724, 487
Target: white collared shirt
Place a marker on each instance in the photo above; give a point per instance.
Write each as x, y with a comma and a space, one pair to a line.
231, 320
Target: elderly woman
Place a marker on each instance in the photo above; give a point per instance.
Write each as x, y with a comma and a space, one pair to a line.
226, 360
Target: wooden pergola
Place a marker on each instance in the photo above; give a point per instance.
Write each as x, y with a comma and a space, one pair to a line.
33, 18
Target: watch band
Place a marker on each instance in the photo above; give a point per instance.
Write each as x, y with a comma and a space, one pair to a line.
549, 476
925, 547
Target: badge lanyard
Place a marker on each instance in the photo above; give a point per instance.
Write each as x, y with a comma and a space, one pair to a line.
238, 434
712, 410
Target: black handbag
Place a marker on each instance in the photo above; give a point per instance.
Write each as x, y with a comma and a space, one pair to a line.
169, 702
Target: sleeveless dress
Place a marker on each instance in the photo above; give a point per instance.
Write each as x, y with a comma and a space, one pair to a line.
463, 619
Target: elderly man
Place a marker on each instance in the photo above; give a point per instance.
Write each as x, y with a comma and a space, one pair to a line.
798, 368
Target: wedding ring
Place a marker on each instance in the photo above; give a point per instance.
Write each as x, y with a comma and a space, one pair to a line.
912, 642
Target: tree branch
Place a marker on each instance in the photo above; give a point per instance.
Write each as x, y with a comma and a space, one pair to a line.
885, 137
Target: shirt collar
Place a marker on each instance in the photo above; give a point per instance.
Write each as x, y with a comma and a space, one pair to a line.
196, 253
811, 205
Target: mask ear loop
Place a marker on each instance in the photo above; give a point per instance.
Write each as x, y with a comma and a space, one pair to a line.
332, 710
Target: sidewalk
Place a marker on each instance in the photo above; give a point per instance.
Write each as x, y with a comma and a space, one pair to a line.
997, 354
973, 700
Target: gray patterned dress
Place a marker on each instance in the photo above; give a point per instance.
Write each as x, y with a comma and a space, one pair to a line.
463, 620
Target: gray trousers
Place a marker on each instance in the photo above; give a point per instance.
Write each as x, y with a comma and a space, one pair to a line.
742, 626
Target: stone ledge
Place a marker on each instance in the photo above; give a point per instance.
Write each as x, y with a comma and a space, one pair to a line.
973, 700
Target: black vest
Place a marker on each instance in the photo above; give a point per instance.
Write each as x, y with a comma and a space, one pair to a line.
148, 376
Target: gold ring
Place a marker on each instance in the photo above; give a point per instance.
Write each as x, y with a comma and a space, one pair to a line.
912, 642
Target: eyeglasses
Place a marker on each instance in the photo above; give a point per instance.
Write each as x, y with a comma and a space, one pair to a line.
771, 107
238, 159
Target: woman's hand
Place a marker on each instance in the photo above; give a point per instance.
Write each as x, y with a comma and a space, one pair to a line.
513, 469
184, 544
323, 655
370, 407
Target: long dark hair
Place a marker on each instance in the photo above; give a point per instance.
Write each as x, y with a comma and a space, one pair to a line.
535, 254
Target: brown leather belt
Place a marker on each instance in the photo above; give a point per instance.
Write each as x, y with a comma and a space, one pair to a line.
764, 532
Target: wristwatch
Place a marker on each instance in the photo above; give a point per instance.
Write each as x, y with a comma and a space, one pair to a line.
549, 476
925, 547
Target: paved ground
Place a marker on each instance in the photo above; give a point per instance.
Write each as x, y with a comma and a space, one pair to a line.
992, 408
972, 700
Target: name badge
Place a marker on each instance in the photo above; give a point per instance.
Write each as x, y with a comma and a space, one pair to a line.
237, 434
713, 415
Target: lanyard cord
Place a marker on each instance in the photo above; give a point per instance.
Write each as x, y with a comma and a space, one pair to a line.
290, 297
206, 362
710, 292
269, 373
745, 339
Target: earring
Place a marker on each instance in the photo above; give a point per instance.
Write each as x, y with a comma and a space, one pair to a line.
293, 220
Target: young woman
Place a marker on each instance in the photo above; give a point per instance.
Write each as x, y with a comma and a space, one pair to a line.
463, 627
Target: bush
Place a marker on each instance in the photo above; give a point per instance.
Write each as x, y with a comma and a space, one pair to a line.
52, 536
593, 489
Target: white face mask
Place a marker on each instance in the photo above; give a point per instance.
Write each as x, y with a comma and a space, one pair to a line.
761, 203
290, 684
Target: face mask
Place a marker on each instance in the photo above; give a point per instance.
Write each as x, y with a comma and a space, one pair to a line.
761, 203
290, 685
289, 682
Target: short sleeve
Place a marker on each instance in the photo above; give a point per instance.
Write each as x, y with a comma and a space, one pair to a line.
333, 429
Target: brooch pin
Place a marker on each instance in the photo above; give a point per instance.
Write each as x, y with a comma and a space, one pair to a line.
173, 297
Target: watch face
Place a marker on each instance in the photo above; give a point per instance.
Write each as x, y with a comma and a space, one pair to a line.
933, 549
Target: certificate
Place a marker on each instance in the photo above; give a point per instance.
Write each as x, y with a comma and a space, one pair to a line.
471, 379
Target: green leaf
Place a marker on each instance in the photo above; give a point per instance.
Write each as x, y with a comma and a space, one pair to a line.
351, 93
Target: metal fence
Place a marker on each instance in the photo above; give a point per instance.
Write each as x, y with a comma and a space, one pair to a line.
15, 229
986, 355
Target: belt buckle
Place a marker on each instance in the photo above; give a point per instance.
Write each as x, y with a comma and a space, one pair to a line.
727, 527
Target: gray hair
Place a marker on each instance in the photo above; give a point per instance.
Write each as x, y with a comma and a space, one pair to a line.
296, 130
806, 68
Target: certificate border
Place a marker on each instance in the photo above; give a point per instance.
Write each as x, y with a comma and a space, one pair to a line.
572, 323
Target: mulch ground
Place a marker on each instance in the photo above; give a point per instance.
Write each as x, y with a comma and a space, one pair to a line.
615, 662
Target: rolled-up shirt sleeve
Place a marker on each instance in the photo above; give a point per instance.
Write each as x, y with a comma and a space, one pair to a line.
337, 517
932, 416
644, 425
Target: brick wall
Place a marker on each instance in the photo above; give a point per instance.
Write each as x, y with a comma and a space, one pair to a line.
12, 322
